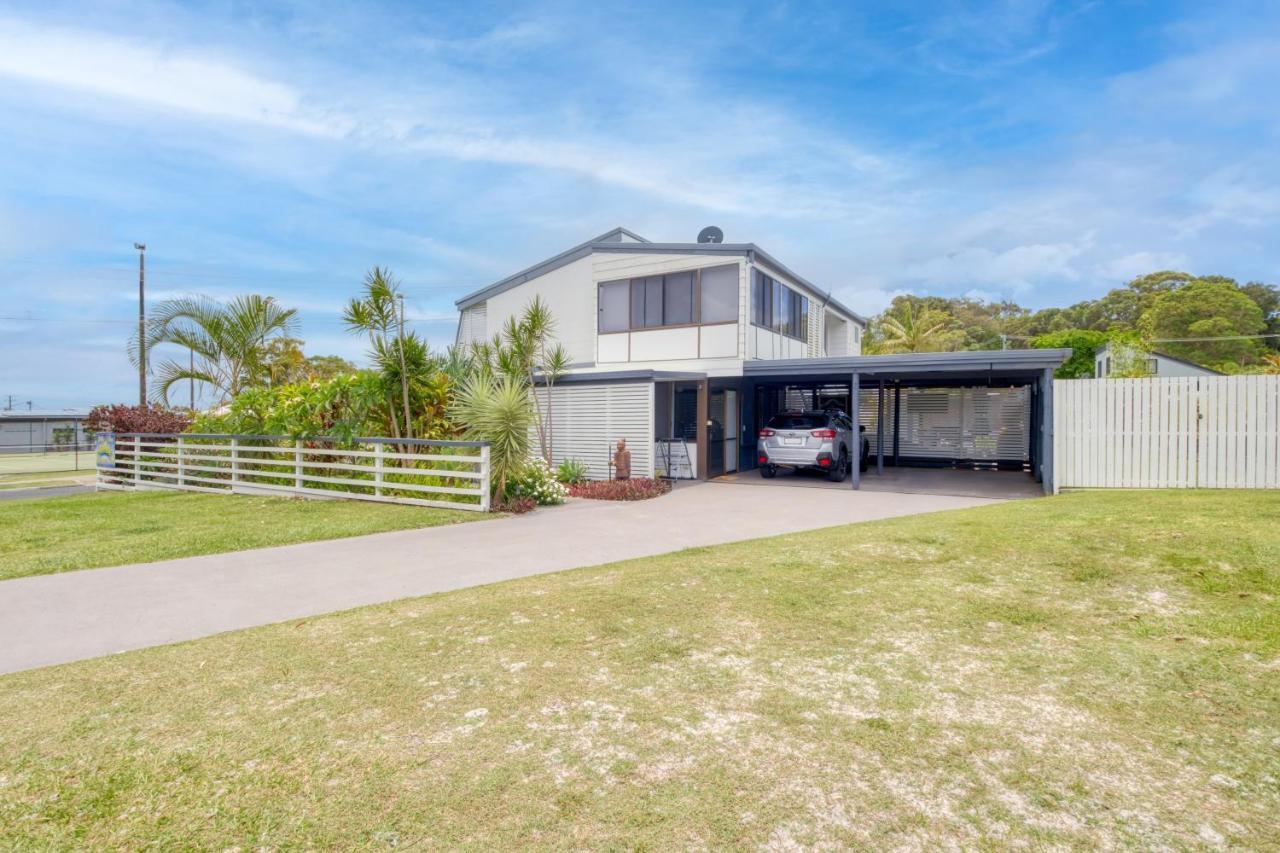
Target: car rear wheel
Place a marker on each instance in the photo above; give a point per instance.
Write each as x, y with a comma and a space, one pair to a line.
836, 474
768, 471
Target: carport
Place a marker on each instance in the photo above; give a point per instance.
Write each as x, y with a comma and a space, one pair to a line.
952, 412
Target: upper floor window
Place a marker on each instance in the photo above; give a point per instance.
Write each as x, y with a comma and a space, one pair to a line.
778, 308
692, 297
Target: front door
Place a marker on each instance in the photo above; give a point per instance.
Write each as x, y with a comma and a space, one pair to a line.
716, 434
731, 431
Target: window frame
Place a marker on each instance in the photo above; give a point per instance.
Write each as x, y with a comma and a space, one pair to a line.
779, 308
638, 287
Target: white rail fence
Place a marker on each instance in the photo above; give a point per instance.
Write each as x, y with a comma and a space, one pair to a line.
449, 474
1217, 432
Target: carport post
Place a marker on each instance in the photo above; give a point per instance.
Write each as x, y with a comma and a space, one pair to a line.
855, 476
1046, 429
879, 432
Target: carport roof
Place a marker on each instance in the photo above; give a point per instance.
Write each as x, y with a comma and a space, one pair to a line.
986, 365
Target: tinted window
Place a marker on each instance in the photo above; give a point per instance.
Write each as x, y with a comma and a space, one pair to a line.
720, 295
677, 308
797, 421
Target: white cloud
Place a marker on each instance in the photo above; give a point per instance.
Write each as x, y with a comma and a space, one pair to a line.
1128, 267
156, 77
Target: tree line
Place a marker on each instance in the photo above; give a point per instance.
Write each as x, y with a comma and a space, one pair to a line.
1210, 320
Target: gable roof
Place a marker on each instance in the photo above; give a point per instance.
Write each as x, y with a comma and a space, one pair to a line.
566, 257
614, 242
1106, 347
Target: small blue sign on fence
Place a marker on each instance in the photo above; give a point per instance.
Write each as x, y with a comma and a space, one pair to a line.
105, 444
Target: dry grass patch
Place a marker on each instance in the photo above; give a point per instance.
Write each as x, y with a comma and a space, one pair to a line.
1090, 670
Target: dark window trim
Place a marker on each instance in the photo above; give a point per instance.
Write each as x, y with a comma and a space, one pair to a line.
797, 308
631, 303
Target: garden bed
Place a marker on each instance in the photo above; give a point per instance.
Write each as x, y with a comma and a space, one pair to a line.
634, 489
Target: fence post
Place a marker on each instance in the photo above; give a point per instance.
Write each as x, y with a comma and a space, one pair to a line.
181, 465
297, 464
484, 478
377, 468
137, 461
235, 462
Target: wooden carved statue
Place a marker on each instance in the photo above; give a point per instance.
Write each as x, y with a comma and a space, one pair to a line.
622, 461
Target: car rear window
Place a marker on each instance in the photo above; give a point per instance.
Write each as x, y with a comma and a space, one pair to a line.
797, 421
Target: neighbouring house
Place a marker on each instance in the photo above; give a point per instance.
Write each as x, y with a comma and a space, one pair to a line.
39, 431
1111, 356
686, 349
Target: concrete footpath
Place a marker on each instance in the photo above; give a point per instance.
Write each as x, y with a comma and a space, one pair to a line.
76, 615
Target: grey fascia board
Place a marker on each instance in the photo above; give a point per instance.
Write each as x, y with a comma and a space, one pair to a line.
614, 376
825, 295
568, 256
968, 360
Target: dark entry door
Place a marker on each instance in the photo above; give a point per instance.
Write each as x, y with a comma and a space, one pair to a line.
715, 434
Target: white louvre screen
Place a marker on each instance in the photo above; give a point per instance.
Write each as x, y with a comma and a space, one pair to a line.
986, 424
587, 421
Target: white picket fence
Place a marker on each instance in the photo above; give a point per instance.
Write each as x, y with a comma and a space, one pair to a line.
448, 474
1216, 432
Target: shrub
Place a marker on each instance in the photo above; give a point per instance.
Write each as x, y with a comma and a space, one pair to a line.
499, 411
125, 418
515, 505
572, 471
635, 489
536, 480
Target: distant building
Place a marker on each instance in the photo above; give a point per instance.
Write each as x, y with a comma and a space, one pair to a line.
1109, 359
41, 430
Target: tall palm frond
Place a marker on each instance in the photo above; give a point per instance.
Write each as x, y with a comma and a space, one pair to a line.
228, 342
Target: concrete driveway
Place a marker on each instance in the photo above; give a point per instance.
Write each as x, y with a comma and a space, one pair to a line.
76, 615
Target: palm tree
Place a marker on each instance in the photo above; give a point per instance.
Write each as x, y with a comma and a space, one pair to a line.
527, 348
380, 315
914, 328
228, 342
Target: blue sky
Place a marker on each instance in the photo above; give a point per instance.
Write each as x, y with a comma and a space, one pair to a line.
1039, 151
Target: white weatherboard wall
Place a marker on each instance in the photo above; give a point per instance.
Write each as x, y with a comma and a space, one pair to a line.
1218, 432
588, 419
570, 296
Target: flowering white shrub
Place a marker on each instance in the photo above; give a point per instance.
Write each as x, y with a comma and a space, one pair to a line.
536, 480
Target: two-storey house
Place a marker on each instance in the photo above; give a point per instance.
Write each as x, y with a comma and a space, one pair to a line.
658, 333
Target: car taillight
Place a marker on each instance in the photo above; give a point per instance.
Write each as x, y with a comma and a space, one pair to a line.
767, 433
764, 460
823, 433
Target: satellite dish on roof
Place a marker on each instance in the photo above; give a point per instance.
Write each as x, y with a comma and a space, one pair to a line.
711, 234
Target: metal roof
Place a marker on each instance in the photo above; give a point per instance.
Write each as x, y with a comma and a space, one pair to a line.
968, 361
612, 242
566, 257
43, 414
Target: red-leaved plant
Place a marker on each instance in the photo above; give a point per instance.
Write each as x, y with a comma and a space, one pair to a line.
148, 418
635, 489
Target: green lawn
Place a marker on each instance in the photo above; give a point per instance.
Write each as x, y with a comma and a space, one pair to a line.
61, 534
1072, 672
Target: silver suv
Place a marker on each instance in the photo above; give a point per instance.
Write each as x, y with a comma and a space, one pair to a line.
821, 441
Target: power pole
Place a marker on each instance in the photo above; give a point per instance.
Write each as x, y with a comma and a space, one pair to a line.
404, 375
142, 324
